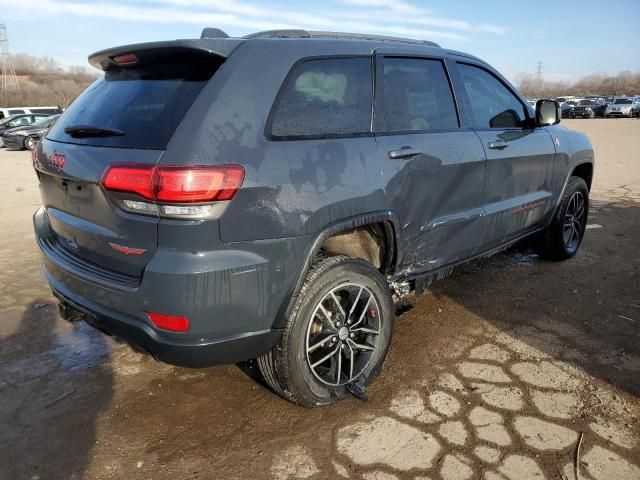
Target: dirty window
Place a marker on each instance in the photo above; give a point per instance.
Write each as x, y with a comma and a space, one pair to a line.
325, 97
417, 96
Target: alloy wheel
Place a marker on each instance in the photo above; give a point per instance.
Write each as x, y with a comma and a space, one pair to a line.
343, 334
574, 221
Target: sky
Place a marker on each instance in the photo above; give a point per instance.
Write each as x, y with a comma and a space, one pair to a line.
571, 38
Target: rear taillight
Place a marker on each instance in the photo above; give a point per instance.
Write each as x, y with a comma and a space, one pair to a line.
197, 184
174, 184
130, 178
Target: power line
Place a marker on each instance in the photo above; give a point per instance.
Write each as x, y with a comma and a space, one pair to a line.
9, 77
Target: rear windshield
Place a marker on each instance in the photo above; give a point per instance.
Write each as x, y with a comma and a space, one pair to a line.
146, 102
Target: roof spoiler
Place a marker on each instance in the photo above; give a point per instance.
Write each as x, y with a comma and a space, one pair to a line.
218, 46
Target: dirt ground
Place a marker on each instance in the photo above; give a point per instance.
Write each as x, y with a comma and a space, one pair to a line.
497, 373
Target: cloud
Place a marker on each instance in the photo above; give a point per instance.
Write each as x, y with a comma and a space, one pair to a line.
398, 18
396, 6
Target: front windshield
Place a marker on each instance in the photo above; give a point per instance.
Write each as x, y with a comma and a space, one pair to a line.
4, 121
561, 99
587, 102
623, 101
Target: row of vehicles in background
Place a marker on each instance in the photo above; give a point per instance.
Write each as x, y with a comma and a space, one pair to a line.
24, 127
595, 106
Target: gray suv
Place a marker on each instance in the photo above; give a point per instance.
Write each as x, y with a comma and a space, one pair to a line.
270, 197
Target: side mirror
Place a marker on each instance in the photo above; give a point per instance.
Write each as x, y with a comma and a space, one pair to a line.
547, 113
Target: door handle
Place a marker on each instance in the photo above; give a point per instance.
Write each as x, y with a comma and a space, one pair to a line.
498, 144
403, 152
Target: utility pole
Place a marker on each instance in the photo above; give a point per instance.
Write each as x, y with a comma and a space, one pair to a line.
539, 72
9, 78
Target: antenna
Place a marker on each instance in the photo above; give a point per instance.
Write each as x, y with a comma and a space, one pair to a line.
9, 78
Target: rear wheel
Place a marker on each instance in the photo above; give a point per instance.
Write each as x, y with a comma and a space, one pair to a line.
30, 143
563, 236
338, 333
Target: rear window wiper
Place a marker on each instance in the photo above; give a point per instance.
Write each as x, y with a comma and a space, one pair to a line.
92, 131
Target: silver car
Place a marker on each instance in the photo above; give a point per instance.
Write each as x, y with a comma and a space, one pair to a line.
621, 107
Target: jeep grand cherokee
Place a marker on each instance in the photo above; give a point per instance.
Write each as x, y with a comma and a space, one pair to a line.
223, 199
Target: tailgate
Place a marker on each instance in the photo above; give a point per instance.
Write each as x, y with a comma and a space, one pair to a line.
128, 116
85, 221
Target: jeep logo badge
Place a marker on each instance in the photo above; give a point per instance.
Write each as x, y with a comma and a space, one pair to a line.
56, 160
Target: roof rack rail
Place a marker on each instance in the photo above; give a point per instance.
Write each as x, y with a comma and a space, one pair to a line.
210, 32
298, 33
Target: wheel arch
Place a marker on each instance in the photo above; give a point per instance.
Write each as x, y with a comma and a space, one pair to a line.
583, 170
387, 220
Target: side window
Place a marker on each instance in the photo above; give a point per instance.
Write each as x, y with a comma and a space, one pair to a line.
17, 122
325, 97
493, 105
417, 96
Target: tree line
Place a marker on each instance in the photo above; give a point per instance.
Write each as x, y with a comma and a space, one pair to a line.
625, 83
43, 81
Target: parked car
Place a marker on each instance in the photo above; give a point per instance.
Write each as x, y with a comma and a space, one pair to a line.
9, 112
18, 121
621, 107
567, 98
565, 108
635, 107
27, 137
587, 108
272, 209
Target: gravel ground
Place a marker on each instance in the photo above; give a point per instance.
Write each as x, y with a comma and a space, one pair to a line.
497, 373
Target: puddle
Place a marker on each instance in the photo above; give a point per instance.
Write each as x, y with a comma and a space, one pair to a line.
79, 348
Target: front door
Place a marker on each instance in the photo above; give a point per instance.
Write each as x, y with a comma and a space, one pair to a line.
520, 158
433, 170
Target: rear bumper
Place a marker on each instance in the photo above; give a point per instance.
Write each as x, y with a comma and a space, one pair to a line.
232, 296
144, 338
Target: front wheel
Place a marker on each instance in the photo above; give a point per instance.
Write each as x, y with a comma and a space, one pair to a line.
30, 143
338, 332
562, 238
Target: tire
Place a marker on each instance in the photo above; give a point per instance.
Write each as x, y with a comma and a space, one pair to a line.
30, 143
562, 238
288, 368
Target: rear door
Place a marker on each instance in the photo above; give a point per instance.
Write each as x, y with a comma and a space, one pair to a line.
433, 168
520, 159
133, 112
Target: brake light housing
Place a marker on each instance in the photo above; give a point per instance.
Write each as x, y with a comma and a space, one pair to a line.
174, 188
